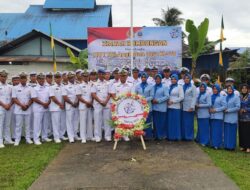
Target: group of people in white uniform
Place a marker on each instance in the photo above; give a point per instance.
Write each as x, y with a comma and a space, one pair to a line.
75, 106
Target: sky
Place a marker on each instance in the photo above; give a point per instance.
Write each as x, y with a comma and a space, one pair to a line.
236, 15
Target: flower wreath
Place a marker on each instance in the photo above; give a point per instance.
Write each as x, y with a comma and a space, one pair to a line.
135, 129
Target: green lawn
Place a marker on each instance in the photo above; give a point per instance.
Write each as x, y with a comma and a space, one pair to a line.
235, 164
20, 166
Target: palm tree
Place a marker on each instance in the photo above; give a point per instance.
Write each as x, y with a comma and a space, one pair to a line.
170, 17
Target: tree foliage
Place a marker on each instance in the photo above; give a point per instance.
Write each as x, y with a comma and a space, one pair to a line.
80, 62
170, 17
196, 40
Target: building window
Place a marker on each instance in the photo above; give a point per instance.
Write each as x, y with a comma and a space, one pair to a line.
14, 63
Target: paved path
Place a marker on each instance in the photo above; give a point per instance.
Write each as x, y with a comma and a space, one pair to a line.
164, 165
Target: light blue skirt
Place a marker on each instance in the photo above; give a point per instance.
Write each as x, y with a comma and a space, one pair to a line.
230, 135
187, 126
216, 130
159, 119
174, 124
203, 131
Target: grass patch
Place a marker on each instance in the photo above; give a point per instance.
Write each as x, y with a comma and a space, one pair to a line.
235, 164
20, 166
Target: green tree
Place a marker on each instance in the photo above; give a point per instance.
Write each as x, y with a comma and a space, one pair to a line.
80, 62
196, 40
170, 17
239, 69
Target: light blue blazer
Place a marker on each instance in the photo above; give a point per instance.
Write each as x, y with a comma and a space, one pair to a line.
219, 106
161, 95
176, 96
148, 93
190, 97
203, 104
232, 106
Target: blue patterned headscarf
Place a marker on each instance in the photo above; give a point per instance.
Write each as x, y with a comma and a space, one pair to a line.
172, 86
229, 96
203, 84
144, 84
157, 86
214, 96
187, 85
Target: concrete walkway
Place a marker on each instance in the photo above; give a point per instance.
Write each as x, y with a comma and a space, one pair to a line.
164, 165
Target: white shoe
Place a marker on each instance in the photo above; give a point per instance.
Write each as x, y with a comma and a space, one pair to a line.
58, 141
16, 143
97, 140
93, 139
64, 138
46, 140
77, 138
125, 138
38, 143
108, 139
9, 142
2, 146
29, 141
84, 141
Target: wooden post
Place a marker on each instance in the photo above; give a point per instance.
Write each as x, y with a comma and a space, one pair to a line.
143, 143
115, 145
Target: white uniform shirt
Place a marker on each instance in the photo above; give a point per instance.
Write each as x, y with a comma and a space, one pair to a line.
23, 94
121, 88
151, 80
208, 91
32, 84
5, 95
224, 92
56, 91
101, 88
69, 90
42, 93
166, 82
181, 82
135, 82
84, 89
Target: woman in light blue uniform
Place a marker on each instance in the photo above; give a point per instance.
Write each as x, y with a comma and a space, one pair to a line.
203, 104
231, 119
159, 102
146, 90
216, 117
176, 95
188, 109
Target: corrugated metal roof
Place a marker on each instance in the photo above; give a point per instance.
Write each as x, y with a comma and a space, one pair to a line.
65, 24
69, 4
31, 35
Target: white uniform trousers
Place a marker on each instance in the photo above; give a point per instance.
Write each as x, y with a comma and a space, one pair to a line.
5, 121
32, 124
72, 123
22, 119
77, 129
56, 123
63, 124
13, 124
86, 126
40, 126
102, 117
49, 127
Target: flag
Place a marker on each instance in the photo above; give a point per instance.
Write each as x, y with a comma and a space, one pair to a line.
52, 44
222, 39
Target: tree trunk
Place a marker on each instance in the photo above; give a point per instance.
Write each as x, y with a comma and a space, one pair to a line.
193, 71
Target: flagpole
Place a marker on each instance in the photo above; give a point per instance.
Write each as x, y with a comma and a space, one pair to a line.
131, 35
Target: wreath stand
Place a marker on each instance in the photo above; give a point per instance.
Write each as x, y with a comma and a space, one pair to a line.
142, 142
